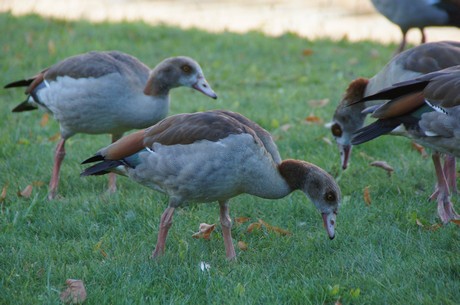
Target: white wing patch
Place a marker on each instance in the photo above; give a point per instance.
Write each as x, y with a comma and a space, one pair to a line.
437, 108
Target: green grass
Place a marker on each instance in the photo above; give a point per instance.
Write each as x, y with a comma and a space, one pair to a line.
380, 255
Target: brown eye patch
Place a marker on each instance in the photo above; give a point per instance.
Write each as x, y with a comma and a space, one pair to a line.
186, 68
330, 196
336, 130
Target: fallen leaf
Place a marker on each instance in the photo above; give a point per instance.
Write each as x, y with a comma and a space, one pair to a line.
428, 227
456, 221
313, 119
3, 194
38, 183
307, 52
54, 137
242, 245
338, 302
318, 103
374, 53
26, 192
367, 196
75, 292
240, 220
353, 61
420, 149
384, 165
273, 228
98, 246
253, 226
51, 47
285, 127
326, 140
44, 120
205, 231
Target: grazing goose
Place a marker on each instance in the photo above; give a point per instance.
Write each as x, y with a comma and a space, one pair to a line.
419, 14
429, 109
106, 92
214, 156
407, 65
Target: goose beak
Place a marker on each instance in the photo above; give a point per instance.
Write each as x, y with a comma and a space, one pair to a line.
345, 152
329, 223
203, 86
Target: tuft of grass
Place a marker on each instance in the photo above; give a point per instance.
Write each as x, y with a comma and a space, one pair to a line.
380, 254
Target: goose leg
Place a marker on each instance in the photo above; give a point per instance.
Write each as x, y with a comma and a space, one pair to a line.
445, 208
422, 31
402, 45
59, 155
451, 173
226, 223
165, 224
112, 188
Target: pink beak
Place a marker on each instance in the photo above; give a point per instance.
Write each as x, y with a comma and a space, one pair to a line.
329, 223
203, 86
345, 152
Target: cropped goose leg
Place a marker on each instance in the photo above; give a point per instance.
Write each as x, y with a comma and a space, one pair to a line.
445, 208
112, 188
165, 224
59, 155
226, 223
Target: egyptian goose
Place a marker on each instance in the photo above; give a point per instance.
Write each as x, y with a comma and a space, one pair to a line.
407, 65
106, 92
214, 156
419, 14
428, 108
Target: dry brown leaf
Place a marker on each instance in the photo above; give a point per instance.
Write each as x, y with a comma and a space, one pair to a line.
273, 228
253, 226
314, 119
318, 103
242, 245
3, 194
75, 292
205, 231
384, 165
307, 52
38, 183
456, 221
51, 47
54, 137
26, 192
367, 196
240, 220
428, 227
420, 149
44, 120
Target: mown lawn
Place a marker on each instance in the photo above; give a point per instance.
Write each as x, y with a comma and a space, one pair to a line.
379, 256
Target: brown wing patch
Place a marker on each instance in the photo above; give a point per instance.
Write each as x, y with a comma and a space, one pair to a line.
355, 91
126, 146
192, 127
399, 106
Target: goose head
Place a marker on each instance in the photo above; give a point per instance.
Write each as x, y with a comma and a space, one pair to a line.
175, 72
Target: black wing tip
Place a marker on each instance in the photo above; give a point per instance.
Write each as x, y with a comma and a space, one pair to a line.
101, 168
19, 83
93, 159
24, 106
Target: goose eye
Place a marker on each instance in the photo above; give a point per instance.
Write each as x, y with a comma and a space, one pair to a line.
336, 130
186, 68
329, 196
